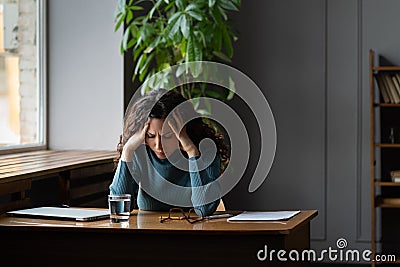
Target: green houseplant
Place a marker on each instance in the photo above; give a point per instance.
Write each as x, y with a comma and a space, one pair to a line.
164, 33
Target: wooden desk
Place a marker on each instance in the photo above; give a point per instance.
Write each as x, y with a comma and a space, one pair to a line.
147, 242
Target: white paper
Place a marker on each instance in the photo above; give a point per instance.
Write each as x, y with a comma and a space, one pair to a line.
263, 216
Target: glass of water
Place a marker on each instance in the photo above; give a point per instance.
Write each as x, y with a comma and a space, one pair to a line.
120, 207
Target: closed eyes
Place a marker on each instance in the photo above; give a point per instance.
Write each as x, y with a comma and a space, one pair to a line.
166, 136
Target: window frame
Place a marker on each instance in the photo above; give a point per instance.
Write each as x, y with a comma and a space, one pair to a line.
42, 115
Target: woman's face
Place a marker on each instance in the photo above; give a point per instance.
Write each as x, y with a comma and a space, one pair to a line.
154, 135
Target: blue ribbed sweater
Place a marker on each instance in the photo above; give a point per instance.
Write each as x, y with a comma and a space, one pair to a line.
147, 169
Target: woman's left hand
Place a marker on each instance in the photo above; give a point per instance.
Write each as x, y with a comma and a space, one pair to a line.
179, 129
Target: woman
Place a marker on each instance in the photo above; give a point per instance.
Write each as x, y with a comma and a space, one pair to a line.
160, 163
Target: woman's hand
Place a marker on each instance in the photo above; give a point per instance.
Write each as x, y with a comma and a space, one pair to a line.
187, 144
134, 142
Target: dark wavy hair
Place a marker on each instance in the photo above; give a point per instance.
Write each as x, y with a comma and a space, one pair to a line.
158, 104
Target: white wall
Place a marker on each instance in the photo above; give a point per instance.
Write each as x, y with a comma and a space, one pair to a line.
85, 74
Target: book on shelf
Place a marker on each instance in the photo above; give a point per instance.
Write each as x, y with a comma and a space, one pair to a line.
395, 96
386, 85
382, 88
397, 75
396, 83
395, 176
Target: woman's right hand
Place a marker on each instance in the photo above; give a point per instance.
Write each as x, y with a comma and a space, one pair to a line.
134, 142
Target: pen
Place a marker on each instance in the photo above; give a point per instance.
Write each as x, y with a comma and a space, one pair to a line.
217, 216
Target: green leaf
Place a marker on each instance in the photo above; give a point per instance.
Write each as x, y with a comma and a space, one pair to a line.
146, 33
147, 62
142, 75
119, 23
194, 53
134, 30
195, 102
217, 40
183, 47
227, 42
137, 52
120, 8
213, 94
144, 87
119, 14
139, 63
180, 70
121, 48
203, 112
223, 13
154, 8
169, 6
191, 7
143, 70
164, 66
179, 4
228, 5
129, 16
198, 53
200, 36
174, 17
190, 49
136, 8
125, 39
232, 88
175, 42
154, 44
185, 28
131, 43
216, 16
211, 3
196, 91
195, 68
196, 15
173, 28
222, 56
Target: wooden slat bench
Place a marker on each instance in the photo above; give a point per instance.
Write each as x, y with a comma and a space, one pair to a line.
83, 176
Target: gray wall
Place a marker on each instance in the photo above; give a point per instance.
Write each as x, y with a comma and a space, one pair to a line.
85, 75
309, 57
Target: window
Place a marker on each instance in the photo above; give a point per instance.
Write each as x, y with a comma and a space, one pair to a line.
22, 75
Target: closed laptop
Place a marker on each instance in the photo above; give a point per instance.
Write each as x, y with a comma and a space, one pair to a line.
77, 214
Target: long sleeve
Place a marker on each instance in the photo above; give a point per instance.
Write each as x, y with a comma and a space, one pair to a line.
204, 178
123, 183
147, 177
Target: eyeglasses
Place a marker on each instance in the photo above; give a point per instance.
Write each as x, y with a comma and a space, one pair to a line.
190, 216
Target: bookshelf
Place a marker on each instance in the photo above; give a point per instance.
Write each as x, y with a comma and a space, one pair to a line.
385, 157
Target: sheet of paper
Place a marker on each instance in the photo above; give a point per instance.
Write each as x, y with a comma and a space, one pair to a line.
263, 216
